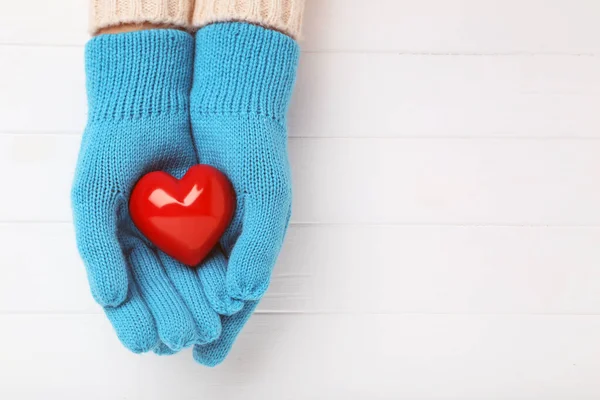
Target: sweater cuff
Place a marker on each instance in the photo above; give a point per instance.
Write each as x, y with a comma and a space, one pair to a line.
242, 69
138, 74
106, 13
282, 15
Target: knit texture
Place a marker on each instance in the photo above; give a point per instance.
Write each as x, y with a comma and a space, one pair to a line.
214, 353
138, 94
243, 80
106, 13
283, 15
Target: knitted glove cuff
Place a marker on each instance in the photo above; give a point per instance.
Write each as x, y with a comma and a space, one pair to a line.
282, 15
105, 13
139, 74
243, 68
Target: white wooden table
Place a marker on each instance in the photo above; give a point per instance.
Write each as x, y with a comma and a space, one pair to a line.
445, 242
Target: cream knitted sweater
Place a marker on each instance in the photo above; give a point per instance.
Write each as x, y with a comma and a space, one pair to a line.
282, 15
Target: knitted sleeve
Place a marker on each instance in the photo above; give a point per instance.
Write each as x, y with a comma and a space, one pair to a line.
282, 15
107, 13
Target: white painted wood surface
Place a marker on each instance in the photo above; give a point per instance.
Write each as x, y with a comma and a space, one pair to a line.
445, 242
391, 95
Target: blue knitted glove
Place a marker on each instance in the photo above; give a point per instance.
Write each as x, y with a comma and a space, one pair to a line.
243, 80
138, 93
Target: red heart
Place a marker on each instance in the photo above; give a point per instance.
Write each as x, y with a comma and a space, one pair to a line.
184, 218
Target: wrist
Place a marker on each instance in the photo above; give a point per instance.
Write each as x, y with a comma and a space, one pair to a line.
126, 28
284, 16
138, 74
242, 68
132, 15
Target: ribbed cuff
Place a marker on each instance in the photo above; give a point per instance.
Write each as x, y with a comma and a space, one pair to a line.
242, 68
282, 15
105, 13
130, 75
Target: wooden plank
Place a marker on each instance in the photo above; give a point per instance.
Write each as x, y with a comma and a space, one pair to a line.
43, 89
361, 269
356, 95
39, 22
390, 95
427, 26
454, 26
412, 181
296, 357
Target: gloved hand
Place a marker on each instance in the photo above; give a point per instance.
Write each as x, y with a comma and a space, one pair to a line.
138, 91
243, 79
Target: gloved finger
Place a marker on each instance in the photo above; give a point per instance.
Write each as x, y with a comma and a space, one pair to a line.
162, 349
95, 218
256, 250
212, 273
175, 325
188, 285
133, 322
214, 353
232, 233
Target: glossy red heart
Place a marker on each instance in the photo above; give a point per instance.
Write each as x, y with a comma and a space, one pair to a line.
184, 218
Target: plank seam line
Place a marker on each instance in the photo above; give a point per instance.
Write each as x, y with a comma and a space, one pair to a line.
69, 134
327, 312
371, 224
367, 52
